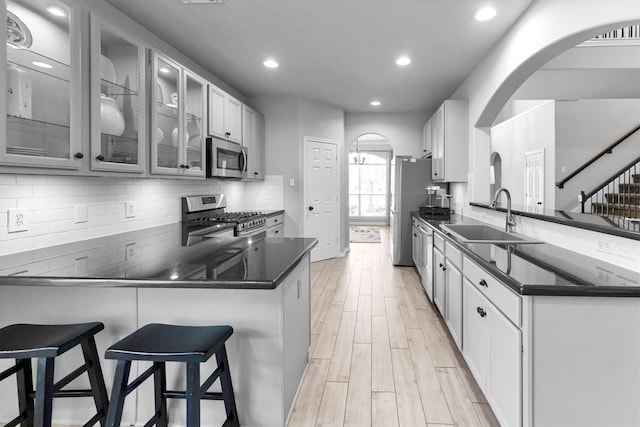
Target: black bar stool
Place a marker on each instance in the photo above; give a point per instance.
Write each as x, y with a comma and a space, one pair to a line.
23, 342
161, 343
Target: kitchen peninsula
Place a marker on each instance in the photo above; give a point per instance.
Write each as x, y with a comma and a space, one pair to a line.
260, 286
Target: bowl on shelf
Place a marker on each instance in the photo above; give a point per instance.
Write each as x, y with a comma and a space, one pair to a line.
107, 69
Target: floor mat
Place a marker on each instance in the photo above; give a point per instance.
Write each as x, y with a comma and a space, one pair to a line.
364, 234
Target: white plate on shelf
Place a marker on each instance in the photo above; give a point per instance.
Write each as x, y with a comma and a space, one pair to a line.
27, 151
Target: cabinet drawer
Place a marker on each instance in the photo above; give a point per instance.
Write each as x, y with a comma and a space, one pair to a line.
276, 231
275, 220
453, 255
438, 241
502, 297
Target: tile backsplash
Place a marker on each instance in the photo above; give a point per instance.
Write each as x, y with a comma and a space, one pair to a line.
61, 209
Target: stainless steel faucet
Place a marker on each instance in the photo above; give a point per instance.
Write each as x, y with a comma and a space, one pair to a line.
510, 222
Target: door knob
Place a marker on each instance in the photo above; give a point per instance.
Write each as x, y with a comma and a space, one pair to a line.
310, 208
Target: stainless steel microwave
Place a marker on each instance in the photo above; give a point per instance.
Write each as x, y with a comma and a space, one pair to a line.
226, 159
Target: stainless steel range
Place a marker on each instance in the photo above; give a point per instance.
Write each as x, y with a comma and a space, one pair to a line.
205, 216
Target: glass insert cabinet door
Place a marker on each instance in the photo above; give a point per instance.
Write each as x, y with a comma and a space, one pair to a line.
118, 125
177, 125
41, 114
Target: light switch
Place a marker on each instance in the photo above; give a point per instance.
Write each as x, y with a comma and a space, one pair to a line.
129, 209
292, 182
82, 213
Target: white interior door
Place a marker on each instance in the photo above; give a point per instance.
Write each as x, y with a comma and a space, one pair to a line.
322, 192
534, 181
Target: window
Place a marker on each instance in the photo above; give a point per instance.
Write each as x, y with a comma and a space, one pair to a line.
368, 183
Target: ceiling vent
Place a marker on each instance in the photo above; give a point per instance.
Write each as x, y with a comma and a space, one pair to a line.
203, 1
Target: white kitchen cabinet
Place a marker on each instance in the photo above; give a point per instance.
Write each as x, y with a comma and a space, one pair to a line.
450, 142
253, 140
427, 256
416, 245
426, 140
179, 102
275, 225
493, 351
40, 119
118, 122
225, 115
439, 280
453, 280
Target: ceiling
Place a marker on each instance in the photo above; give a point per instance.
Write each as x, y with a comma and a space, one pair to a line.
341, 52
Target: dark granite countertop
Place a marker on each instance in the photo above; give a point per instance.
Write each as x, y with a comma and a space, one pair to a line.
545, 269
156, 257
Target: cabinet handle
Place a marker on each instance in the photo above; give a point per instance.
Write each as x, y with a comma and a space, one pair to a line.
299, 286
277, 231
227, 134
484, 283
441, 265
100, 157
78, 156
275, 220
255, 173
444, 268
481, 312
184, 166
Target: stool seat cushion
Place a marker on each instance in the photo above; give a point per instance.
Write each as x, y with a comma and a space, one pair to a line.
171, 343
21, 341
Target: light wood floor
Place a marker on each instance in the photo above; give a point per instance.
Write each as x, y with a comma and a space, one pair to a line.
380, 352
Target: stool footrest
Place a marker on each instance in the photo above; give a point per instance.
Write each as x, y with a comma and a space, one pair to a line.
94, 419
12, 370
183, 394
17, 420
212, 378
143, 376
153, 420
72, 376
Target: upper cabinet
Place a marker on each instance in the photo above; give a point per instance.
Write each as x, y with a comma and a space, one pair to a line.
450, 142
179, 104
118, 125
225, 115
41, 114
425, 150
253, 140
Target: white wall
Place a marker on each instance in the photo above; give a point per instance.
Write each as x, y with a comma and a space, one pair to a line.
547, 28
288, 119
531, 130
402, 130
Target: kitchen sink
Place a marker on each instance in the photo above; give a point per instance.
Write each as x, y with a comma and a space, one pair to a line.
472, 233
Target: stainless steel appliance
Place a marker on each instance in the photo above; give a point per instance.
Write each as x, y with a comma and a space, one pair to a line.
409, 177
204, 216
226, 159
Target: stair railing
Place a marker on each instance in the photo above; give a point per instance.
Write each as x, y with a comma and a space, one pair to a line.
618, 197
607, 150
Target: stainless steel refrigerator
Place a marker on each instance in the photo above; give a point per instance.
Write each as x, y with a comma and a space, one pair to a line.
409, 177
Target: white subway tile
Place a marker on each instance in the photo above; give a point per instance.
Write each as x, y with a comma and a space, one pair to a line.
8, 179
15, 191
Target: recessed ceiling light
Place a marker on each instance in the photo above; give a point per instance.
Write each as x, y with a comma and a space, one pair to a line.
56, 11
270, 63
42, 64
485, 13
403, 60
376, 103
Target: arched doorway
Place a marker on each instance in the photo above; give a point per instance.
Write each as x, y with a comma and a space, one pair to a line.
369, 160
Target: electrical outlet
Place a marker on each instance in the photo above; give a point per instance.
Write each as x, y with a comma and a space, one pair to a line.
81, 213
129, 209
129, 251
18, 220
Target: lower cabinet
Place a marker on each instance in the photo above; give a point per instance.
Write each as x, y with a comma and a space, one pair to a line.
453, 316
493, 351
439, 280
